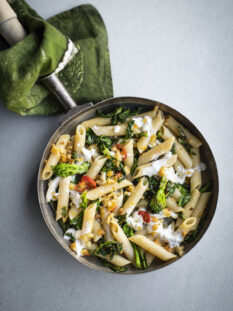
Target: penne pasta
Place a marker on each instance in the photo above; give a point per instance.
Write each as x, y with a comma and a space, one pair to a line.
196, 176
106, 224
152, 247
135, 197
176, 195
173, 125
119, 201
157, 122
155, 167
63, 198
88, 222
120, 236
96, 122
156, 152
79, 140
187, 225
112, 130
130, 154
200, 207
107, 188
54, 156
190, 206
180, 150
116, 260
97, 231
96, 166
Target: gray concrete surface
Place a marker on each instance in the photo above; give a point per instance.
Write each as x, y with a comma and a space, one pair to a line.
180, 53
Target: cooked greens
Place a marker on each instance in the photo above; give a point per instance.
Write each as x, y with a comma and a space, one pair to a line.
139, 258
114, 165
91, 137
184, 141
66, 169
185, 195
206, 187
109, 248
135, 163
120, 114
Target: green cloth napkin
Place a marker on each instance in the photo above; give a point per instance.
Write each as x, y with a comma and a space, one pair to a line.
87, 76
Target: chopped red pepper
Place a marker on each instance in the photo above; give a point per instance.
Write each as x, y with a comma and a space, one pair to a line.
85, 183
118, 175
122, 151
145, 216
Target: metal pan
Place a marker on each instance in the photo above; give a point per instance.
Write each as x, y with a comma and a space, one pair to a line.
88, 111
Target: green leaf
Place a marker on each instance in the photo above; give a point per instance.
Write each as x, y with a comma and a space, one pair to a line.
127, 230
159, 136
206, 187
135, 163
109, 248
170, 189
83, 197
136, 256
119, 115
184, 141
121, 219
91, 137
185, 196
64, 211
74, 155
173, 149
66, 169
77, 222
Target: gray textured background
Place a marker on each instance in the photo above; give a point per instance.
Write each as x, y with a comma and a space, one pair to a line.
177, 52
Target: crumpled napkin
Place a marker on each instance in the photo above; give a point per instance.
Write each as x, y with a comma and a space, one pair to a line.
87, 76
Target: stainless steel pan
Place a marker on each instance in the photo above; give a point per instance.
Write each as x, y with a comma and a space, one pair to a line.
88, 111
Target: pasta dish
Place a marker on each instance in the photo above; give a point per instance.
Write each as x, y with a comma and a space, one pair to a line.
127, 187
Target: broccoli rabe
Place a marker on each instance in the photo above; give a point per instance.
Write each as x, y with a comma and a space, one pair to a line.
185, 195
139, 258
158, 201
66, 169
206, 187
119, 115
109, 248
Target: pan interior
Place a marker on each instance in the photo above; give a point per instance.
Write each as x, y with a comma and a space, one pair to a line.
68, 127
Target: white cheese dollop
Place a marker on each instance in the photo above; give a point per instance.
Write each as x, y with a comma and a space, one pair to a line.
117, 129
136, 221
145, 124
169, 235
75, 198
79, 244
88, 153
69, 231
52, 186
166, 234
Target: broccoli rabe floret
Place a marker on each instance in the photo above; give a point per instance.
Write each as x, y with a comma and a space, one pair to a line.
66, 169
158, 202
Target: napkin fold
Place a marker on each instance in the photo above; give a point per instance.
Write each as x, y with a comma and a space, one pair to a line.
87, 76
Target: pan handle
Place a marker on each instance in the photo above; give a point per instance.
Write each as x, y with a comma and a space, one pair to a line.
12, 31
